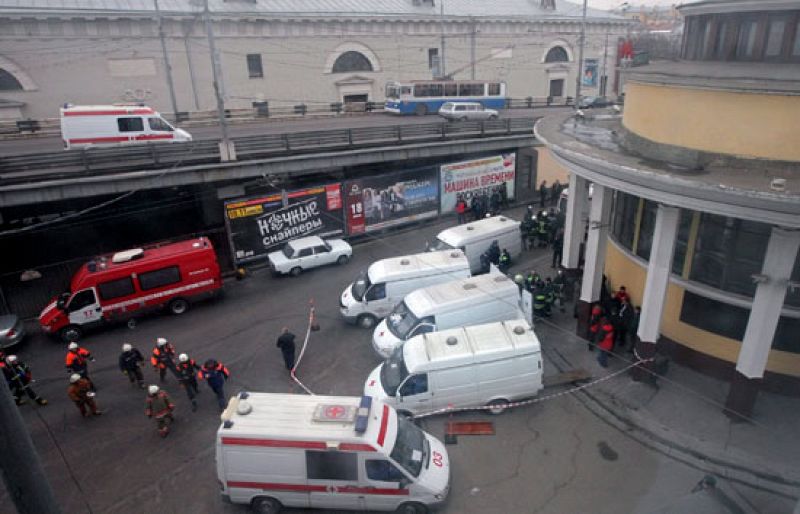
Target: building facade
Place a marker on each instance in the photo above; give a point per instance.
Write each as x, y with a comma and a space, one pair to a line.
286, 53
695, 206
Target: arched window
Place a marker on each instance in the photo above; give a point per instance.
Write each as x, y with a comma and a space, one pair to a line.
8, 82
351, 61
557, 54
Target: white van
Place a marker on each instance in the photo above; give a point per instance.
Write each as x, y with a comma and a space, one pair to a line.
471, 301
86, 126
491, 364
476, 237
386, 282
327, 452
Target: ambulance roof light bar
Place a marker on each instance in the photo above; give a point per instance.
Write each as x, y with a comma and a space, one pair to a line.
362, 418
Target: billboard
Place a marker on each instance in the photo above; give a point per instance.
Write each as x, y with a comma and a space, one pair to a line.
375, 203
476, 177
257, 226
590, 72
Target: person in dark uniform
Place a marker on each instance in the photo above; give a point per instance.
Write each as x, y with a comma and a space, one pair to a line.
286, 344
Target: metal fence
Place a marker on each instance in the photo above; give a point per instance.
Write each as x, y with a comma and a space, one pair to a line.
15, 169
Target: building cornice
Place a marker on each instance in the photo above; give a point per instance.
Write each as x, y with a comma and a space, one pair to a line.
717, 7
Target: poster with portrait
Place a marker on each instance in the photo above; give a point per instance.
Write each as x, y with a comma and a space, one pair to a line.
379, 202
590, 73
477, 177
257, 226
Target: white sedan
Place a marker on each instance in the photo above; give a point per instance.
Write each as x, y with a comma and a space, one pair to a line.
308, 252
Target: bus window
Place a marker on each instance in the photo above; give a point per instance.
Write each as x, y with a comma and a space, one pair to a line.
470, 89
494, 89
451, 89
405, 90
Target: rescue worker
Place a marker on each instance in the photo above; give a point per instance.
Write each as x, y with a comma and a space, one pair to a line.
19, 378
558, 247
524, 230
530, 280
163, 357
505, 261
520, 281
286, 344
80, 392
494, 253
159, 406
605, 341
559, 287
594, 325
130, 364
187, 376
539, 300
550, 296
542, 229
76, 361
215, 373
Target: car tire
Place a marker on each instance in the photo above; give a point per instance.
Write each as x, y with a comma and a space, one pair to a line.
178, 306
266, 505
412, 508
421, 110
295, 271
342, 259
366, 321
497, 407
71, 333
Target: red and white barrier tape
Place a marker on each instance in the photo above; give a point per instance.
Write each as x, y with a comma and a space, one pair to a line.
311, 316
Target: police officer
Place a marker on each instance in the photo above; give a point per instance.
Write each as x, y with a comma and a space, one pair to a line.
163, 357
130, 363
19, 378
216, 374
286, 344
187, 369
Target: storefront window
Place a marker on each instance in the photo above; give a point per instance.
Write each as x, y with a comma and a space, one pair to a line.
624, 224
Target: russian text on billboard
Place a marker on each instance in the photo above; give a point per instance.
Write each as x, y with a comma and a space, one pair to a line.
477, 177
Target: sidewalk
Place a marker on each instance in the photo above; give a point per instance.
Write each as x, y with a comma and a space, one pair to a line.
683, 415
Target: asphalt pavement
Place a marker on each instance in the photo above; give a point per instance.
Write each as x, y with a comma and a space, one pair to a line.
556, 456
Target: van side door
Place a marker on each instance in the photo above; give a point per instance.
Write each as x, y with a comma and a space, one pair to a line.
84, 308
455, 386
385, 485
414, 394
130, 127
376, 301
333, 480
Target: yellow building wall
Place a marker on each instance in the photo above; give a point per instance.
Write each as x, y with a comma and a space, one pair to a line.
548, 169
742, 124
622, 269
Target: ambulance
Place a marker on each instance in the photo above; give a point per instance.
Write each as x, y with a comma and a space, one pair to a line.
125, 284
86, 126
327, 452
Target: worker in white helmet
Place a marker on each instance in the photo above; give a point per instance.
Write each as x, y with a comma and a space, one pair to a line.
80, 392
77, 361
187, 376
130, 363
163, 358
160, 407
19, 378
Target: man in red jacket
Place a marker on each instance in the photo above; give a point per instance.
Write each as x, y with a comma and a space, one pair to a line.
605, 341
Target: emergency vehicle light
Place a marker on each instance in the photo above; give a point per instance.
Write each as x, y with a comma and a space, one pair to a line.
362, 418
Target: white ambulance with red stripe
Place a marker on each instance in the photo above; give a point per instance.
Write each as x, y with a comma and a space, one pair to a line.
328, 452
117, 287
86, 126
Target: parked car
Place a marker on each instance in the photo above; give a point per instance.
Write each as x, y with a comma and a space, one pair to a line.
458, 111
12, 330
590, 102
308, 252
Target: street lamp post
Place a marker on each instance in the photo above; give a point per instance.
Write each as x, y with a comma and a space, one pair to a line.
580, 56
167, 66
227, 150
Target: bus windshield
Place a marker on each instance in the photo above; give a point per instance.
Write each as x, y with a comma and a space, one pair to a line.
393, 372
361, 285
410, 447
401, 321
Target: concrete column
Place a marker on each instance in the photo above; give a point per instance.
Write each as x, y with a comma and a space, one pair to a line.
575, 225
655, 287
763, 321
593, 266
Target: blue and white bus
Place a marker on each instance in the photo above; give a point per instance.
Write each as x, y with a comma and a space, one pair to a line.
427, 96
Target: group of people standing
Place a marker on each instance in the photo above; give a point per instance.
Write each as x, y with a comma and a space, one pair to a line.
613, 325
542, 229
480, 203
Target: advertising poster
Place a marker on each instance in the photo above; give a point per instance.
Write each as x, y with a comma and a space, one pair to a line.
375, 203
590, 72
477, 177
257, 226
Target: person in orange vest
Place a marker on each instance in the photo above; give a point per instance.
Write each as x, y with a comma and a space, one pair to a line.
216, 374
605, 341
77, 361
186, 376
80, 392
159, 406
163, 357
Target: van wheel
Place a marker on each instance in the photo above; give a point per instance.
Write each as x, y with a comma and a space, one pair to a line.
498, 406
342, 259
412, 508
421, 110
71, 333
178, 306
366, 321
295, 271
266, 506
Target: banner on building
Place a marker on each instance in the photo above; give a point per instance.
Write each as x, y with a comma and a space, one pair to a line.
590, 72
477, 177
375, 203
257, 226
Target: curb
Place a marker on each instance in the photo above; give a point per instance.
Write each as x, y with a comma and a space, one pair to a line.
658, 438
